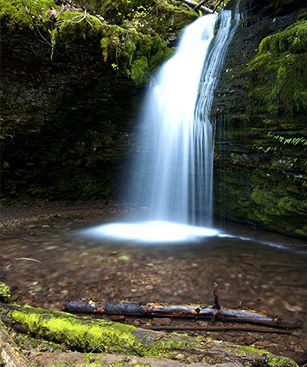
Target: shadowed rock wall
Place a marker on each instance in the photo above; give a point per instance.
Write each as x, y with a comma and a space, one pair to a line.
65, 122
69, 108
260, 157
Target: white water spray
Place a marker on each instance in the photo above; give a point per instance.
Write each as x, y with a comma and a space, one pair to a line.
173, 172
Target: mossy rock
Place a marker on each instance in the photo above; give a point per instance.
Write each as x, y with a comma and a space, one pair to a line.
278, 73
133, 53
132, 46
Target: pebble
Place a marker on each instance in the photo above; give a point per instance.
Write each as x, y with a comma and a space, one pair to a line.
124, 258
179, 357
292, 308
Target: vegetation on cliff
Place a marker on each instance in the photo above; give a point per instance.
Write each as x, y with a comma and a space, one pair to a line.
68, 105
279, 72
133, 35
277, 90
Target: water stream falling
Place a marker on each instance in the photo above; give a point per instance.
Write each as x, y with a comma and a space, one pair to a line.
173, 170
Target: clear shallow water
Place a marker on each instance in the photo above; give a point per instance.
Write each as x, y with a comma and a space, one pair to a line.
71, 266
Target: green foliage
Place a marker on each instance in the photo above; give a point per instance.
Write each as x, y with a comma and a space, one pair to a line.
133, 42
278, 73
285, 140
133, 53
5, 292
27, 14
71, 26
292, 39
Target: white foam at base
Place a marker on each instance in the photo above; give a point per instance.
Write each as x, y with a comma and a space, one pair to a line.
150, 231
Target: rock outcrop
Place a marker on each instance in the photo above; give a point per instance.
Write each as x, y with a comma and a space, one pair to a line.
70, 88
260, 108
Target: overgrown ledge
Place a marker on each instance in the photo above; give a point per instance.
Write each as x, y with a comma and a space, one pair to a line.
133, 38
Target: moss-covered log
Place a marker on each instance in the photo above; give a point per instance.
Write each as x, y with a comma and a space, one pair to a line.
86, 334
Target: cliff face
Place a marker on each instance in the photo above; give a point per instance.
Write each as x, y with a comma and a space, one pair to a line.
65, 121
260, 112
70, 88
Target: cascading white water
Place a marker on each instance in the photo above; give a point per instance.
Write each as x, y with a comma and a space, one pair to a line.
173, 171
175, 166
166, 143
203, 130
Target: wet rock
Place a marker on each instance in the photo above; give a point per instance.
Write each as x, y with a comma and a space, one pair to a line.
259, 159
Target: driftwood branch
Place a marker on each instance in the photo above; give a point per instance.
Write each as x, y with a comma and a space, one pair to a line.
181, 311
197, 6
222, 328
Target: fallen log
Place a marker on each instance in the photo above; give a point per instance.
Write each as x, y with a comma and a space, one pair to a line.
98, 335
181, 311
221, 328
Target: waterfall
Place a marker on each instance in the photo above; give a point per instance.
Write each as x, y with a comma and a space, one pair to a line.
203, 128
173, 169
166, 142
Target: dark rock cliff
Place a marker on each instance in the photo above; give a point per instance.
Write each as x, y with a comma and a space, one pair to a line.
260, 112
70, 89
65, 121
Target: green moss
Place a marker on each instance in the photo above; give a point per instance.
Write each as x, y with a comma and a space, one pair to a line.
292, 39
276, 207
14, 13
133, 41
135, 54
160, 16
5, 292
75, 25
139, 69
278, 73
302, 14
270, 359
102, 335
